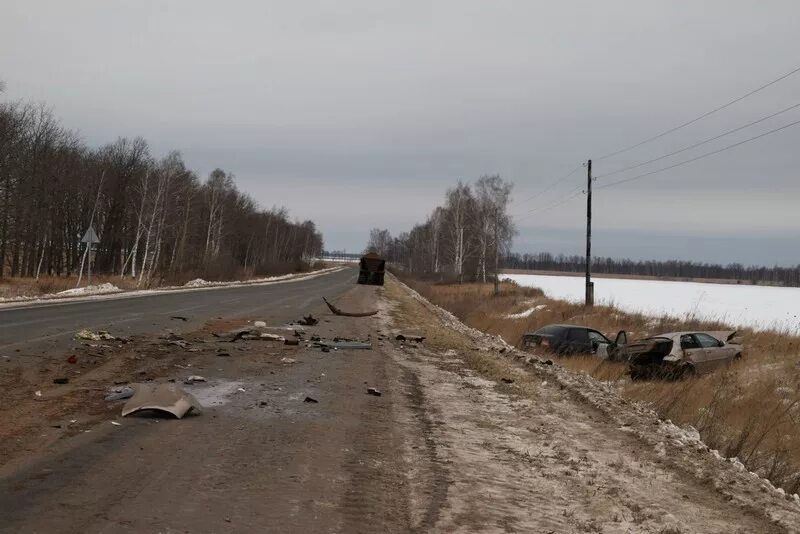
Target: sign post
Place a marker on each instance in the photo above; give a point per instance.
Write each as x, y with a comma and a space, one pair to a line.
90, 238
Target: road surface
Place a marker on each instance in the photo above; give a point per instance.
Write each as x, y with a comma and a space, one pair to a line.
32, 326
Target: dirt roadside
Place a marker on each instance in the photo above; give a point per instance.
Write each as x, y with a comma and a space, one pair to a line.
448, 446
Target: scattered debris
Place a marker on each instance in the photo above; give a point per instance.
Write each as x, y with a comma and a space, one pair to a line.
410, 337
291, 342
88, 335
38, 393
308, 321
194, 378
120, 394
311, 399
342, 344
72, 359
271, 337
223, 353
166, 398
61, 381
507, 380
373, 391
241, 390
240, 335
260, 324
288, 360
337, 311
179, 318
115, 423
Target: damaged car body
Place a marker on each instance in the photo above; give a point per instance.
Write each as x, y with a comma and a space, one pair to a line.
568, 339
681, 354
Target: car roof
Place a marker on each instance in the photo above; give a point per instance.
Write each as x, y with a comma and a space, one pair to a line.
562, 326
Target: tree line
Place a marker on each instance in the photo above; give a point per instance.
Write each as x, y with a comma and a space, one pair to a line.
463, 239
156, 219
786, 276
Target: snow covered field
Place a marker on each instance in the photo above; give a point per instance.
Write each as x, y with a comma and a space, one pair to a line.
759, 307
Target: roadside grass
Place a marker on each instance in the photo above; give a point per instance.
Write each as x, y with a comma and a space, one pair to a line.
12, 287
45, 285
749, 410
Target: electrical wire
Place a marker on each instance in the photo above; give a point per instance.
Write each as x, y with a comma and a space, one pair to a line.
707, 154
576, 192
699, 143
700, 117
553, 184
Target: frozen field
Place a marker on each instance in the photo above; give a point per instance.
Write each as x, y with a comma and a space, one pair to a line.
759, 307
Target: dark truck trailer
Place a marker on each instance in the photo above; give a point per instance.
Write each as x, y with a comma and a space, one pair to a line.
371, 269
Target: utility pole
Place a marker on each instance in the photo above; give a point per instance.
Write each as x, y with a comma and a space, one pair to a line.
589, 283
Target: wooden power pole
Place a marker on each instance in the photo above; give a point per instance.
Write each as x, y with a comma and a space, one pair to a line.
589, 283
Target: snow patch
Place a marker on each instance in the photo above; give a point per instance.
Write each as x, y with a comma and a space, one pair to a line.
526, 313
101, 289
759, 307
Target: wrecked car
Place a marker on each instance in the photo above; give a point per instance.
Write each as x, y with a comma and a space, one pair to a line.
568, 339
681, 354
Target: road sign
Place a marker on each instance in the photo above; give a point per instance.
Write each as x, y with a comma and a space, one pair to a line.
90, 236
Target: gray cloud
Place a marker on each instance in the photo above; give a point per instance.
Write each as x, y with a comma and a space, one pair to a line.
360, 114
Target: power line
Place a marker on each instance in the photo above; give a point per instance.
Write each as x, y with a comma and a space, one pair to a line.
699, 143
573, 193
707, 154
703, 116
553, 184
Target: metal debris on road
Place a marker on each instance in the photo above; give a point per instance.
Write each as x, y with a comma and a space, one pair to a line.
308, 320
337, 311
311, 400
194, 378
373, 391
120, 393
410, 337
288, 360
166, 398
343, 345
179, 318
115, 423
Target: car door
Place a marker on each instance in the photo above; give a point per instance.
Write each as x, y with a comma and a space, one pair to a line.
599, 344
716, 352
694, 353
577, 341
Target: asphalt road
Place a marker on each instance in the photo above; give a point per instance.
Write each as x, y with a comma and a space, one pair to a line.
32, 328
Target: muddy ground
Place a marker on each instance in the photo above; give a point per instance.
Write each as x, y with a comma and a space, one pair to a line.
466, 436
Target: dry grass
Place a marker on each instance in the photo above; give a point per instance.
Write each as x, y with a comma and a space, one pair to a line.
45, 285
750, 410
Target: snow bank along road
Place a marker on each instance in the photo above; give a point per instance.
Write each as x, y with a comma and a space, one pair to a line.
37, 326
759, 307
448, 447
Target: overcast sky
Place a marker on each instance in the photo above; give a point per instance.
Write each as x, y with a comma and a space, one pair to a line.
362, 114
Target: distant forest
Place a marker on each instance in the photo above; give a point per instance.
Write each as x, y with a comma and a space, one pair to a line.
544, 261
155, 217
